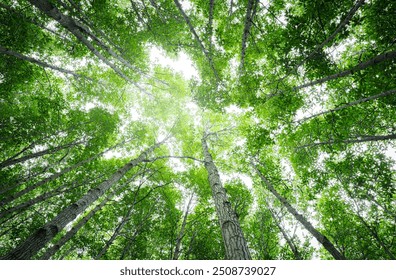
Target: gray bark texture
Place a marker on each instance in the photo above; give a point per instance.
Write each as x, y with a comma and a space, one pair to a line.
6, 51
358, 139
199, 41
77, 29
362, 100
49, 151
180, 236
371, 62
250, 11
33, 244
308, 226
234, 242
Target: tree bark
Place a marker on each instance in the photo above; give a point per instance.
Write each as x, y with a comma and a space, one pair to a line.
49, 151
180, 236
361, 139
362, 100
30, 247
55, 248
234, 242
307, 225
199, 41
77, 30
250, 11
6, 51
376, 60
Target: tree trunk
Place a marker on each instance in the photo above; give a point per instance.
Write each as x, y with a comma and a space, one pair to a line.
180, 236
49, 151
29, 248
55, 248
350, 141
362, 100
308, 226
199, 41
234, 242
376, 60
250, 11
41, 63
50, 178
76, 29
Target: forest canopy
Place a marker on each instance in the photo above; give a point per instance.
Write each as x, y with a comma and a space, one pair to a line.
274, 140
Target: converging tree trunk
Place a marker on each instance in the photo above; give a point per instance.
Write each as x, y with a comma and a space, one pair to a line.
350, 104
307, 225
49, 151
198, 40
6, 51
29, 248
234, 242
180, 236
365, 138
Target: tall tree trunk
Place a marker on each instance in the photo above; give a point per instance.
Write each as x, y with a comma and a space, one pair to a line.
363, 65
29, 248
77, 29
362, 100
51, 178
49, 151
234, 242
180, 236
199, 41
289, 241
250, 11
361, 139
307, 225
55, 248
6, 51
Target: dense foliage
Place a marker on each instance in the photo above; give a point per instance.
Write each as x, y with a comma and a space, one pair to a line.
107, 153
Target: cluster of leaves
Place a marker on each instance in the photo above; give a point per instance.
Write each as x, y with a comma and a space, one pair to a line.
296, 98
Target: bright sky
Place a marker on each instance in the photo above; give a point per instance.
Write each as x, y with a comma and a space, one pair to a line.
183, 64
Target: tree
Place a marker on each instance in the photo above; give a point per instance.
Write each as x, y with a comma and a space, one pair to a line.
304, 89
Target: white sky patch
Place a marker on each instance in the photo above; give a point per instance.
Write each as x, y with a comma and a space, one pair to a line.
390, 152
88, 106
186, 5
282, 18
113, 154
194, 109
314, 98
183, 64
233, 109
335, 52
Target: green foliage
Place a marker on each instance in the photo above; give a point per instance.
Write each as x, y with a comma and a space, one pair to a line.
327, 149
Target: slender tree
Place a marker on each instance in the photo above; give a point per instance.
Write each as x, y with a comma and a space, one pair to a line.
29, 248
234, 242
307, 225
